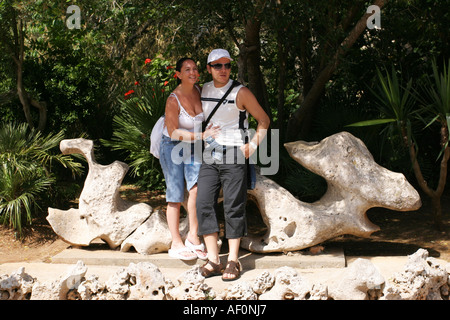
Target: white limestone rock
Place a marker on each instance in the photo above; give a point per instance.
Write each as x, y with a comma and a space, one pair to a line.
422, 279
355, 182
92, 289
360, 281
153, 235
60, 289
263, 282
190, 285
47, 290
149, 282
118, 285
102, 213
17, 286
289, 285
240, 291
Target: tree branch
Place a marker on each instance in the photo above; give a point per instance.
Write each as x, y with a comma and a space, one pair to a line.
318, 86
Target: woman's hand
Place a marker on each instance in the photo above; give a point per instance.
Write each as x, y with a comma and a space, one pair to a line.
211, 132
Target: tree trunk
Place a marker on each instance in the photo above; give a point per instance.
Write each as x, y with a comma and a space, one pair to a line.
253, 56
314, 94
18, 57
23, 96
282, 56
435, 195
437, 212
42, 108
242, 63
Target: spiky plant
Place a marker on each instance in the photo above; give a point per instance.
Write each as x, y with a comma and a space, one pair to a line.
132, 129
400, 105
26, 159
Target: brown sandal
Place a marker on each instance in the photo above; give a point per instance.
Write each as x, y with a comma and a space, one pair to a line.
217, 269
233, 268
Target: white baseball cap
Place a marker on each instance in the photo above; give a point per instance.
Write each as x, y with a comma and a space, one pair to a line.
216, 54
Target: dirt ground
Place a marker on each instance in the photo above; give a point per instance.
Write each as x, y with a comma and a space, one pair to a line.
401, 234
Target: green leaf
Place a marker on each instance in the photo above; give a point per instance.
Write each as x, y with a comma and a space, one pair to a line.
371, 122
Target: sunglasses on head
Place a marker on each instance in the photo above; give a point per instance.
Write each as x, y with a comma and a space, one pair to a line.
219, 66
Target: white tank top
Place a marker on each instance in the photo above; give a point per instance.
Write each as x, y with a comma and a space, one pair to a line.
185, 120
232, 121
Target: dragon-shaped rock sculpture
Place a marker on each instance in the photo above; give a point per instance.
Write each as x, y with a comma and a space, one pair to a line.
355, 182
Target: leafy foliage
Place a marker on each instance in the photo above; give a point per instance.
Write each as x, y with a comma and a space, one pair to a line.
140, 108
399, 108
26, 160
437, 101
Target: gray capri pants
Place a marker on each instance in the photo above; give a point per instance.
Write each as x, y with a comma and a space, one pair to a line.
232, 178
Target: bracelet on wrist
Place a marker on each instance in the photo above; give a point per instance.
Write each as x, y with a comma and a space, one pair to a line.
253, 145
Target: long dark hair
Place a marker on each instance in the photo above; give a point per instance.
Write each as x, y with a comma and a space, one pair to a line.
180, 64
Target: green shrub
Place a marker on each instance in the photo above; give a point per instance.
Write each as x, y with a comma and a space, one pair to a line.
140, 108
26, 160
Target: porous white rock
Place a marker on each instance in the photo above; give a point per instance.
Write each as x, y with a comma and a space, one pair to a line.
239, 291
59, 289
422, 279
319, 291
190, 285
355, 182
72, 279
360, 281
47, 290
263, 282
153, 235
289, 285
102, 213
92, 289
17, 286
149, 282
118, 285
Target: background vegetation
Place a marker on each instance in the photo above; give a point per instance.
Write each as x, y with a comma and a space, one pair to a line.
311, 64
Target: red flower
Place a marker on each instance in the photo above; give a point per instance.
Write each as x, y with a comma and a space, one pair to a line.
165, 83
129, 92
148, 61
169, 67
136, 83
175, 75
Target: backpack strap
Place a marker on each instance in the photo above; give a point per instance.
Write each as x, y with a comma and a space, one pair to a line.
205, 123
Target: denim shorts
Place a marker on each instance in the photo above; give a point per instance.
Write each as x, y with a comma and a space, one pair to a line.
179, 167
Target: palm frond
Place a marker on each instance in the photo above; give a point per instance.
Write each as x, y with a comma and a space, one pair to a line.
437, 95
26, 159
18, 192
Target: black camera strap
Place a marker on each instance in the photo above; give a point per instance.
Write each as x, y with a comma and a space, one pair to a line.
205, 123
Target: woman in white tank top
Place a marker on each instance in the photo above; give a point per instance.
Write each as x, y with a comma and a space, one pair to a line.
183, 113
